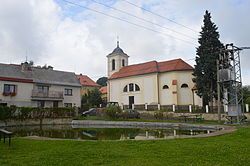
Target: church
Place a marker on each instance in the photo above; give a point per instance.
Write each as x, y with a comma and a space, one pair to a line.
165, 83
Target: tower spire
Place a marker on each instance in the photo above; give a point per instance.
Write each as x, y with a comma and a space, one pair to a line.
117, 41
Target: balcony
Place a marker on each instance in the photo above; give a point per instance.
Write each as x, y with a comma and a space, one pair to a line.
50, 95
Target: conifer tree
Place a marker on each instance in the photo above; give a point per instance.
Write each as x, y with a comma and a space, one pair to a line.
207, 53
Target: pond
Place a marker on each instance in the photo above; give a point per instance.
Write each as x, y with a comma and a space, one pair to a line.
94, 133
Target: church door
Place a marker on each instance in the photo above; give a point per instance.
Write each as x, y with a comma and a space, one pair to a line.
131, 100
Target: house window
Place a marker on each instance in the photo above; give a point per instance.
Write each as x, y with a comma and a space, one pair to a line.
68, 92
137, 88
184, 86
9, 89
123, 62
43, 89
125, 89
40, 104
131, 87
55, 104
113, 64
68, 105
165, 87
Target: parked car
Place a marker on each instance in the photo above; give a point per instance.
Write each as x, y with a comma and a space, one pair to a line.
90, 112
130, 114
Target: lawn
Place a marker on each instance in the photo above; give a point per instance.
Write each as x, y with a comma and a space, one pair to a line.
230, 149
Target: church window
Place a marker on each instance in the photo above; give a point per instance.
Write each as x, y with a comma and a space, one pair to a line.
113, 64
184, 86
165, 87
123, 62
137, 88
131, 87
125, 89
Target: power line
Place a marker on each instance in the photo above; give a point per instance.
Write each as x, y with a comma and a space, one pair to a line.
148, 21
114, 17
160, 16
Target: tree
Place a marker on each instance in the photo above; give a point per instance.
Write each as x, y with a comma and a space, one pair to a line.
246, 94
92, 99
207, 53
102, 81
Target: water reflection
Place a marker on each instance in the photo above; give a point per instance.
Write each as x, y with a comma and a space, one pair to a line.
67, 132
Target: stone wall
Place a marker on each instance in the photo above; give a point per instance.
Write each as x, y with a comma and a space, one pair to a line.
36, 122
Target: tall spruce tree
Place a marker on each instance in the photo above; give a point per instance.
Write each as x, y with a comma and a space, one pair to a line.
206, 58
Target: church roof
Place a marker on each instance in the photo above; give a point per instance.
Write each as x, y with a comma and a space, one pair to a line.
152, 67
86, 81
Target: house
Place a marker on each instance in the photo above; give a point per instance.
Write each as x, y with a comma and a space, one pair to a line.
29, 86
103, 91
87, 84
165, 83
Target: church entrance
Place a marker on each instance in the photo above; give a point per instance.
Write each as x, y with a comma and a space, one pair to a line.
131, 100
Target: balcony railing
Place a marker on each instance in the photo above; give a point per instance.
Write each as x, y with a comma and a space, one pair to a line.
49, 94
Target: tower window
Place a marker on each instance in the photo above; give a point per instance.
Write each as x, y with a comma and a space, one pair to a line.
165, 87
184, 86
113, 64
123, 62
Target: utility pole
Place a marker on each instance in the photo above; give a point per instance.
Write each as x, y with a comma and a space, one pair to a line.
230, 82
218, 94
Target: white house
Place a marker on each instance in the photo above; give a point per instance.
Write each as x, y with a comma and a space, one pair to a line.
166, 83
29, 86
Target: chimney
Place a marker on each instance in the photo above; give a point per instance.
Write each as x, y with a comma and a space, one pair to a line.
50, 68
26, 66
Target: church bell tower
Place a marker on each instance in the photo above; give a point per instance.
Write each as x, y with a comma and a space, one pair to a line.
116, 60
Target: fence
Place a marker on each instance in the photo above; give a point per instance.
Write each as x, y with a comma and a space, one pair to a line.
175, 108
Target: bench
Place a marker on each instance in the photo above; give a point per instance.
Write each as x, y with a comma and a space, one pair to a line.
194, 117
5, 134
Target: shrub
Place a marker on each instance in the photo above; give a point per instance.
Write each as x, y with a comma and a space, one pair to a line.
113, 111
158, 115
248, 100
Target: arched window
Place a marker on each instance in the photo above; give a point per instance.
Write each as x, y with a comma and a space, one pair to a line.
113, 64
184, 86
131, 87
165, 87
137, 88
123, 62
125, 89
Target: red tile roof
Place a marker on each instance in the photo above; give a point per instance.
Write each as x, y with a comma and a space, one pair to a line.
86, 81
103, 90
152, 67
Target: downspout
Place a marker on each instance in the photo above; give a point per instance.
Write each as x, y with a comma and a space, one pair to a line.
158, 89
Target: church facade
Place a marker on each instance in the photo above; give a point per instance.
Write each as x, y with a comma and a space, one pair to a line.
165, 83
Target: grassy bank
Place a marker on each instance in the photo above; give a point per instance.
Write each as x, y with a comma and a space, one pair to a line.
231, 149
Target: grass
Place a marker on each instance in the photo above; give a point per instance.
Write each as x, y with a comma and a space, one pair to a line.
230, 149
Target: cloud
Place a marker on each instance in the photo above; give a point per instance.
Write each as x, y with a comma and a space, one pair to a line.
76, 39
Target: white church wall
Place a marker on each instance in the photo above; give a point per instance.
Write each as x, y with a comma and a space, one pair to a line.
166, 95
147, 93
185, 95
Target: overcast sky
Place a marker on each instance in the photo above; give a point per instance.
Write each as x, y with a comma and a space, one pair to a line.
73, 38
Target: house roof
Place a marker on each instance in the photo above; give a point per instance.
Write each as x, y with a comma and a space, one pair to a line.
86, 81
152, 67
14, 72
103, 89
